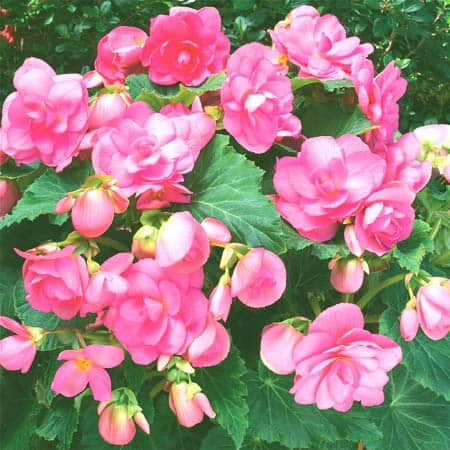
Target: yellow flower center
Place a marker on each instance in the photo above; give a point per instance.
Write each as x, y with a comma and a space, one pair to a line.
83, 364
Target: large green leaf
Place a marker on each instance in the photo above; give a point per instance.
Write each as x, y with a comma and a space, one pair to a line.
8, 279
228, 186
275, 417
411, 417
227, 393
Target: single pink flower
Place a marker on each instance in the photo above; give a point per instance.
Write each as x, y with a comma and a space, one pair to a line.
216, 230
189, 404
317, 45
409, 324
436, 135
182, 244
118, 54
220, 301
385, 219
9, 194
46, 118
339, 362
108, 108
433, 308
278, 341
347, 275
259, 278
163, 196
186, 46
257, 98
92, 79
18, 352
87, 366
55, 280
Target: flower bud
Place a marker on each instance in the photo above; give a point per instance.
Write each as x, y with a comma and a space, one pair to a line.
278, 341
115, 425
347, 275
409, 324
64, 205
216, 231
220, 300
142, 422
92, 213
144, 242
9, 194
106, 109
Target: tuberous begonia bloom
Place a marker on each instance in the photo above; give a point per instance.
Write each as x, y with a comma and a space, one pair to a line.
378, 97
17, 352
259, 278
55, 280
9, 194
385, 220
46, 118
182, 244
87, 366
317, 45
189, 404
278, 341
161, 313
186, 46
339, 362
119, 53
257, 98
325, 183
433, 308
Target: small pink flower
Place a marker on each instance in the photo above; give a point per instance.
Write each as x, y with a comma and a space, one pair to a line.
18, 352
220, 301
347, 275
118, 54
318, 45
87, 366
189, 404
278, 341
216, 230
257, 98
9, 194
187, 46
433, 308
339, 362
55, 280
182, 244
259, 278
107, 109
409, 324
436, 135
46, 118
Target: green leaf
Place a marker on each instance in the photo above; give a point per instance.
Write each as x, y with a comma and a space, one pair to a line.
298, 83
41, 196
227, 393
228, 187
298, 426
329, 86
411, 417
329, 249
410, 253
335, 120
8, 279
157, 96
44, 394
11, 170
294, 240
428, 361
134, 374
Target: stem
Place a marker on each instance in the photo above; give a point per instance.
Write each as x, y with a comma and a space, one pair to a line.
360, 445
157, 388
314, 306
436, 228
80, 338
347, 298
441, 258
386, 283
116, 245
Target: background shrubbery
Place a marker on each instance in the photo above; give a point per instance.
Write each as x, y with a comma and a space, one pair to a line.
413, 32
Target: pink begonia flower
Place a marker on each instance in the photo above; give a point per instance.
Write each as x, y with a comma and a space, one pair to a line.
46, 118
143, 151
220, 301
18, 352
257, 98
182, 244
325, 183
119, 53
189, 404
9, 194
163, 196
259, 278
216, 230
347, 275
402, 164
92, 79
211, 347
55, 280
160, 314
433, 308
378, 97
106, 284
87, 366
339, 362
107, 109
317, 45
115, 424
187, 46
278, 341
385, 220
409, 324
